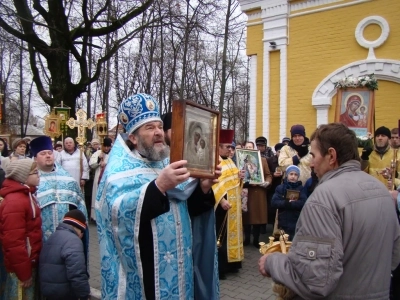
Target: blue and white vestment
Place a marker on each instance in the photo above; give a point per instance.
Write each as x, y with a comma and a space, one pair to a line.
57, 192
119, 205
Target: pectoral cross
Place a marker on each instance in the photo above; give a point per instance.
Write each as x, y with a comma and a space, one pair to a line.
81, 123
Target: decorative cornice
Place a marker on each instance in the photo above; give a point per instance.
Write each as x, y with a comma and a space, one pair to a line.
254, 16
326, 8
310, 4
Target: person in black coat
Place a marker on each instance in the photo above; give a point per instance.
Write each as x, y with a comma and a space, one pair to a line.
289, 203
62, 265
277, 175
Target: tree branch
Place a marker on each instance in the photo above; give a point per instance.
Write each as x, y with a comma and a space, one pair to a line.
114, 25
36, 77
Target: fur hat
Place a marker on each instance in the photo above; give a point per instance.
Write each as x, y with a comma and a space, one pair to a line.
384, 131
19, 170
75, 218
293, 168
261, 141
298, 129
138, 110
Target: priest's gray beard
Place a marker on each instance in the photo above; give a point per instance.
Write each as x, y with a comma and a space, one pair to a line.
150, 152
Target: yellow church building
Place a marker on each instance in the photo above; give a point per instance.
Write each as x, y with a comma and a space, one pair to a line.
298, 49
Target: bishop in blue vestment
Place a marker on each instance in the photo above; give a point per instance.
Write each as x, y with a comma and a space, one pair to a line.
141, 211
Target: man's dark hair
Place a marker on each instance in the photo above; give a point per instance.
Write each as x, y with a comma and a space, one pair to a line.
339, 137
394, 131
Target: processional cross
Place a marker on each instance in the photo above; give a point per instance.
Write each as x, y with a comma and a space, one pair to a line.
81, 123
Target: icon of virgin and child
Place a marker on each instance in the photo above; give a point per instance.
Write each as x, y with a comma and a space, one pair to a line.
356, 112
196, 150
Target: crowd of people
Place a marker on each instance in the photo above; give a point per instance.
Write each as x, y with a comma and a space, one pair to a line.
46, 203
166, 235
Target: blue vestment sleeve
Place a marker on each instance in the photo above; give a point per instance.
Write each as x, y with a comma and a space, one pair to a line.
154, 203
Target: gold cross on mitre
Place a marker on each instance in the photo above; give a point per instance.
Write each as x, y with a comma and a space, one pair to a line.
81, 123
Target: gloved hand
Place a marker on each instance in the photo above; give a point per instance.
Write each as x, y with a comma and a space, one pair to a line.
366, 152
264, 184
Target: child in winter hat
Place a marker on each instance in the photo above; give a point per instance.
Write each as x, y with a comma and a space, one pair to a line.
19, 170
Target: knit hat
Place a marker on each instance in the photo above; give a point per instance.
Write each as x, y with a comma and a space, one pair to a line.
298, 129
285, 140
39, 144
18, 142
233, 145
19, 170
75, 218
293, 168
167, 121
279, 146
384, 131
261, 141
107, 142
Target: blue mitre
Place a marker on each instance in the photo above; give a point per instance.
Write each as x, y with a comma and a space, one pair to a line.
39, 144
138, 110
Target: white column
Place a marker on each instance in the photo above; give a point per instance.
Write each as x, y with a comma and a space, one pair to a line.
253, 98
265, 104
283, 94
322, 114
322, 105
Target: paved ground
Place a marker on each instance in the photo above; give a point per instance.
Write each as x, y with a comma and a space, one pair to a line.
247, 284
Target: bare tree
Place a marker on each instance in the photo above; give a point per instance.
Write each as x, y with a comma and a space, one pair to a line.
59, 33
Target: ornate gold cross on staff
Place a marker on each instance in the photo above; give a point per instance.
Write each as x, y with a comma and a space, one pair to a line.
81, 123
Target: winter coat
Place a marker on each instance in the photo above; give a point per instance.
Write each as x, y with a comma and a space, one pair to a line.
289, 156
288, 211
347, 240
20, 228
257, 200
62, 267
276, 181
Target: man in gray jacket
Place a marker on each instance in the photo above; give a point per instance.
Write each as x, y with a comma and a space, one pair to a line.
347, 238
